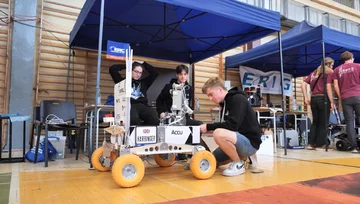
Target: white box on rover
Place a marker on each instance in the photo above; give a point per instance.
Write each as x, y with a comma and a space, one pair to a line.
58, 142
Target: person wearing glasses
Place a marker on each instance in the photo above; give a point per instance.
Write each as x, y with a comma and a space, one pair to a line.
140, 110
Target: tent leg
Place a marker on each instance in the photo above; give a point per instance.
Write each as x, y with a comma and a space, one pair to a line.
282, 92
68, 75
97, 95
191, 81
325, 94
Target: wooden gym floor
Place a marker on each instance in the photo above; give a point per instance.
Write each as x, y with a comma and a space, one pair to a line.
305, 176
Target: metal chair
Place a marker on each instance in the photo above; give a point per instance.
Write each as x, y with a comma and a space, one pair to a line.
56, 115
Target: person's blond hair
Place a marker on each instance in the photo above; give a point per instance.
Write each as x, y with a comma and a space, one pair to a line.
328, 62
213, 82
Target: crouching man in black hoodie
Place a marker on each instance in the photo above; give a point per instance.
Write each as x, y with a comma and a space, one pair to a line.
238, 134
140, 110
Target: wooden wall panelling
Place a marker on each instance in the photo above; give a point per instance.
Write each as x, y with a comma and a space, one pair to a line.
221, 66
85, 80
56, 21
106, 83
37, 56
233, 75
213, 67
276, 99
298, 92
203, 71
5, 47
5, 37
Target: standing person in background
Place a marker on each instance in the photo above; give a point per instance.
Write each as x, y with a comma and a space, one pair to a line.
140, 110
318, 134
346, 80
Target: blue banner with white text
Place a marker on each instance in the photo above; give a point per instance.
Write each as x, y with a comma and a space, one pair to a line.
270, 81
116, 50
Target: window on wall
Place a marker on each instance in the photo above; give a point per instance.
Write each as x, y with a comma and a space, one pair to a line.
349, 3
343, 25
316, 16
352, 28
326, 20
273, 5
295, 11
357, 5
334, 22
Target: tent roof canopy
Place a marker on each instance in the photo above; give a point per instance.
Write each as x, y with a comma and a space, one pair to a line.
302, 50
186, 31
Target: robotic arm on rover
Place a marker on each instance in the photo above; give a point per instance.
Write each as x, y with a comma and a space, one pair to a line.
180, 106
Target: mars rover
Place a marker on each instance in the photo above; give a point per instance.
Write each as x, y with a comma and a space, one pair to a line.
129, 144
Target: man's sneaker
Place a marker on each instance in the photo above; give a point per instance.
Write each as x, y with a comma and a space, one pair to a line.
355, 151
252, 161
310, 147
234, 169
322, 148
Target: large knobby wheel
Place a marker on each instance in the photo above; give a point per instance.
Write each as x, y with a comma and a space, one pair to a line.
97, 159
343, 145
203, 164
128, 170
164, 160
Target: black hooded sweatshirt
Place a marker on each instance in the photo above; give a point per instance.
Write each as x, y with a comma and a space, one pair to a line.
164, 100
239, 116
140, 86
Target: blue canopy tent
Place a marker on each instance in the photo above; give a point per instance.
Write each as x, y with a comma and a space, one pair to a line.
185, 31
304, 48
179, 30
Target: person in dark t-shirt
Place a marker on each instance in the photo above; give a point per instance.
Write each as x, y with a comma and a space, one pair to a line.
346, 79
318, 134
